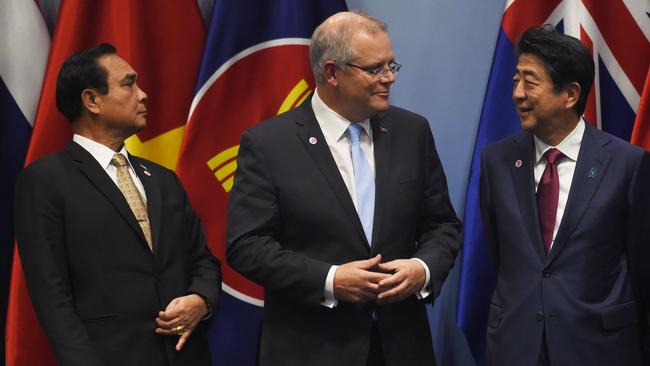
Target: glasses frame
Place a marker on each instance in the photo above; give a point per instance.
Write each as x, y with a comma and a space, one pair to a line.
379, 72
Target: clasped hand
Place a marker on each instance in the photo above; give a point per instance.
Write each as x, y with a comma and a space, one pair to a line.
371, 280
181, 316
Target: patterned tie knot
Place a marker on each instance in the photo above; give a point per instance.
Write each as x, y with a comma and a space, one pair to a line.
118, 160
552, 155
354, 131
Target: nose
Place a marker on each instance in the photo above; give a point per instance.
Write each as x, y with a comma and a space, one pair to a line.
142, 96
388, 76
518, 91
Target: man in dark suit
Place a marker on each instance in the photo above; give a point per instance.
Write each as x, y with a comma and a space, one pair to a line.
563, 208
340, 210
114, 257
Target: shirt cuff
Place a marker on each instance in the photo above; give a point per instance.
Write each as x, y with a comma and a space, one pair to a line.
328, 295
425, 290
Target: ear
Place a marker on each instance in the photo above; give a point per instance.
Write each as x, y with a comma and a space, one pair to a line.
330, 72
91, 100
573, 91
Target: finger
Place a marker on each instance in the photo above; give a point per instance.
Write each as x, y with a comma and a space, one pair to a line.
168, 324
183, 339
392, 280
397, 293
389, 267
370, 263
376, 277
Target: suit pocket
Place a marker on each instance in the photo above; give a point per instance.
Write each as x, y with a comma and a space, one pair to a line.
98, 318
619, 316
495, 317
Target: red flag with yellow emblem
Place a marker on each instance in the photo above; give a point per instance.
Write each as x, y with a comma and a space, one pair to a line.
163, 41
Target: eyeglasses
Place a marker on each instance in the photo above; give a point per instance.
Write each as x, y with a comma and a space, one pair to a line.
379, 71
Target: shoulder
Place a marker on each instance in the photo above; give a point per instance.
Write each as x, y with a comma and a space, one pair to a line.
507, 144
49, 166
615, 145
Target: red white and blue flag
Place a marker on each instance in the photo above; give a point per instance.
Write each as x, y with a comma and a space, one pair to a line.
618, 33
24, 46
255, 66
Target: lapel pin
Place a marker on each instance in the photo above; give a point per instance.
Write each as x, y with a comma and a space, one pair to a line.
313, 140
592, 173
518, 163
383, 129
146, 172
143, 167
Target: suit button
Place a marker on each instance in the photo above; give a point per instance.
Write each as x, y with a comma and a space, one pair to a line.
547, 273
539, 316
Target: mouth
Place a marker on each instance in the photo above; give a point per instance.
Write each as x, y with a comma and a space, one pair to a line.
523, 111
384, 94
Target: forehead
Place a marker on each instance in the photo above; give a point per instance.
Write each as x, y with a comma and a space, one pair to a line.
531, 64
374, 47
115, 66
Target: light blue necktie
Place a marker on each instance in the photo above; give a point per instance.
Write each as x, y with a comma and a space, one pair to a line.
364, 181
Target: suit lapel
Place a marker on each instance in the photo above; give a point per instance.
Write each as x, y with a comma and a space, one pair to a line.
153, 197
98, 177
524, 182
382, 145
308, 130
590, 168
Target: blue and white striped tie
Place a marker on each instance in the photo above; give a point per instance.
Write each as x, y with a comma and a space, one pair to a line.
364, 181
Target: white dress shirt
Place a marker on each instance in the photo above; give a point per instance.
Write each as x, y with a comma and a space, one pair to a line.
566, 166
334, 127
103, 154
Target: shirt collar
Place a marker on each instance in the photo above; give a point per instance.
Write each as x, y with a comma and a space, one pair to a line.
333, 125
102, 153
570, 146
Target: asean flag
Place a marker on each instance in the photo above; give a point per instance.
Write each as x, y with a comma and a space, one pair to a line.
163, 41
255, 66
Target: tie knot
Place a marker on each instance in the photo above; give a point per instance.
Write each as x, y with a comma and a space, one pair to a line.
118, 160
354, 131
552, 155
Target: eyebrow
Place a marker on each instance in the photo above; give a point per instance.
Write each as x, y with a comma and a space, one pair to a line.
130, 78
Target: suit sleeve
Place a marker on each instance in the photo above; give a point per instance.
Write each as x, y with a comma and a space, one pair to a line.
206, 268
638, 243
487, 213
439, 228
41, 244
254, 247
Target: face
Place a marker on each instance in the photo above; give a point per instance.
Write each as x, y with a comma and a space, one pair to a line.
363, 95
539, 106
122, 108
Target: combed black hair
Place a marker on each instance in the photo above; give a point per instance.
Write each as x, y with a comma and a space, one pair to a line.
81, 71
565, 59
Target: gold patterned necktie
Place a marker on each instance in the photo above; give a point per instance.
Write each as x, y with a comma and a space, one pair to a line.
132, 195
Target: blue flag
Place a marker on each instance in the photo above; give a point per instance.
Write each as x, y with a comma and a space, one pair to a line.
255, 66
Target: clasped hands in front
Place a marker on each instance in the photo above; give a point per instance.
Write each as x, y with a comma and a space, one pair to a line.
371, 280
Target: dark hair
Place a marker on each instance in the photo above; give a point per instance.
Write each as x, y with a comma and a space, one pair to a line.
565, 59
81, 71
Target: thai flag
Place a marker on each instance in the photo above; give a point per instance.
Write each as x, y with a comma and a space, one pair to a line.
618, 33
24, 46
255, 65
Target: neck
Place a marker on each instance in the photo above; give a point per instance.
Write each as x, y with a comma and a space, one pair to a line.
108, 138
553, 133
335, 103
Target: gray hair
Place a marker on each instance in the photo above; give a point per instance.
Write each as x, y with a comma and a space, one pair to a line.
331, 39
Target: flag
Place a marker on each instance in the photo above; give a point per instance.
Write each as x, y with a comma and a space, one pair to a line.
618, 33
24, 45
255, 66
163, 41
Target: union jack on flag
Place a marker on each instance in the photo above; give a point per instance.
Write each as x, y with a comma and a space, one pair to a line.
618, 34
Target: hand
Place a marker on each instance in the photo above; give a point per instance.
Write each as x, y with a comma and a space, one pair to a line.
408, 277
185, 311
357, 282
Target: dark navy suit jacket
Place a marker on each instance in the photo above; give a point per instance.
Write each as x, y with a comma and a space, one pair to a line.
587, 295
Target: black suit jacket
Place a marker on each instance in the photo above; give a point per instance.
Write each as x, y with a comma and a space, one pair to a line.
95, 285
291, 217
586, 295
